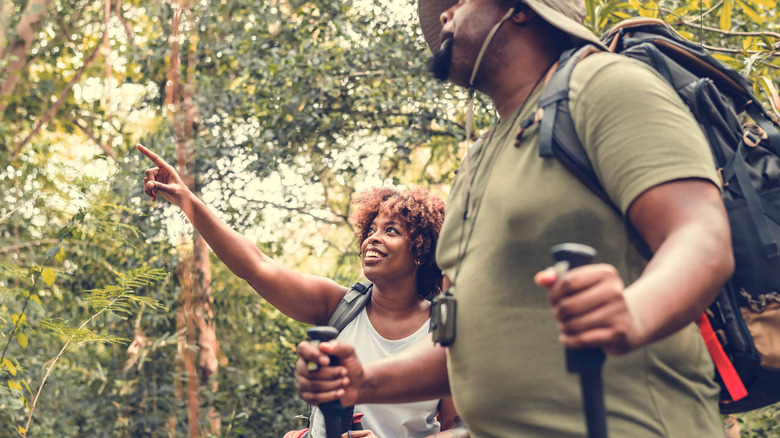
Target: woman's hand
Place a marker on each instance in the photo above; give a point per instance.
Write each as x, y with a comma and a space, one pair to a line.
162, 179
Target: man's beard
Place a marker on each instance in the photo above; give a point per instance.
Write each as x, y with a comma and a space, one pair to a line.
441, 61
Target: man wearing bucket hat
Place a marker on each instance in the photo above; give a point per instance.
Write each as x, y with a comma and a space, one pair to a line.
508, 206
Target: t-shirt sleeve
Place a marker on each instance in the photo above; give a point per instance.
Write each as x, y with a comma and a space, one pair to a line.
635, 128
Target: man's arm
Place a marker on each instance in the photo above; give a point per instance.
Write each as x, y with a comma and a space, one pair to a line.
418, 373
685, 225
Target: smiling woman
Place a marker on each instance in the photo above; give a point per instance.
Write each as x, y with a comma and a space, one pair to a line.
415, 215
397, 232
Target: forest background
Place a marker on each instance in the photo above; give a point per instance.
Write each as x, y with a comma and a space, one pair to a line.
115, 318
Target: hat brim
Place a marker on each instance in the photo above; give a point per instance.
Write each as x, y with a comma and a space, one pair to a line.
429, 13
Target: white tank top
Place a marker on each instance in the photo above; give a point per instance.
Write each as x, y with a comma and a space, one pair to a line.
411, 420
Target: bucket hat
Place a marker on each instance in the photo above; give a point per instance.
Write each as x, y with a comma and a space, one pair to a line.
566, 15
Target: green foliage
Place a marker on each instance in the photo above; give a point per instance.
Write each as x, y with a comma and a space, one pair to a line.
299, 104
743, 34
120, 298
761, 423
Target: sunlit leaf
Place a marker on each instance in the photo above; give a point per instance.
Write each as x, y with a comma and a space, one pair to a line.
685, 34
648, 9
728, 60
18, 319
48, 276
769, 4
21, 338
725, 15
60, 257
750, 12
747, 43
9, 366
768, 87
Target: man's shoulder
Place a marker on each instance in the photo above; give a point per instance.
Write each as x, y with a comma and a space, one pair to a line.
618, 80
612, 64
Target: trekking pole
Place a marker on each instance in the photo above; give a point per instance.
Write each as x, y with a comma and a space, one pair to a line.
331, 411
585, 361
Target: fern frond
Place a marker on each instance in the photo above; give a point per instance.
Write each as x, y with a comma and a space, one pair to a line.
12, 291
109, 227
10, 270
119, 299
142, 277
76, 336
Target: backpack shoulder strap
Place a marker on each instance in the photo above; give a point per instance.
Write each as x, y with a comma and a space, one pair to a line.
354, 300
557, 135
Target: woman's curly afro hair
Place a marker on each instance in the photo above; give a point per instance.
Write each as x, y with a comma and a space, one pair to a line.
421, 214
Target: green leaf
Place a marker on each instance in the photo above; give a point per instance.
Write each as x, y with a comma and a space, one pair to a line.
755, 16
60, 256
21, 338
725, 15
9, 366
769, 4
18, 319
48, 276
52, 251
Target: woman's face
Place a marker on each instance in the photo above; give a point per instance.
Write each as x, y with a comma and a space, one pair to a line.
386, 250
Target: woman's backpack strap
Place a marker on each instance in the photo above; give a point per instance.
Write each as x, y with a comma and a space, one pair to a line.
353, 302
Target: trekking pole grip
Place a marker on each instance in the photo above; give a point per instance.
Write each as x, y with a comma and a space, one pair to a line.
587, 362
331, 411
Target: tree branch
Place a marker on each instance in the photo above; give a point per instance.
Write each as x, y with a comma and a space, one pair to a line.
730, 33
106, 148
60, 100
128, 30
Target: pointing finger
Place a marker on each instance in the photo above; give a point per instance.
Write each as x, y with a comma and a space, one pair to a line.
152, 156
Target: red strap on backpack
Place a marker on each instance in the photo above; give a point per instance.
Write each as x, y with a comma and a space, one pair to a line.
296, 433
725, 368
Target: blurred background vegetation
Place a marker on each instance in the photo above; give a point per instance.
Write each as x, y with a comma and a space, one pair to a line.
115, 319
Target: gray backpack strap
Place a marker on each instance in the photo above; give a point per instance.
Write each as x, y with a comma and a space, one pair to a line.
353, 302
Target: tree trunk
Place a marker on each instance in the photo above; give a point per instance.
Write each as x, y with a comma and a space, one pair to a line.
208, 347
186, 321
196, 314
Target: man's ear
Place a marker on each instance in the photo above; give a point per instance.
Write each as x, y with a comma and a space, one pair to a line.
523, 14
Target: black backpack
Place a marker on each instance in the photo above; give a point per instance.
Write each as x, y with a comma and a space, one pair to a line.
741, 324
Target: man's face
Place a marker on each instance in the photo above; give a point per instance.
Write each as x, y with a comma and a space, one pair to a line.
464, 29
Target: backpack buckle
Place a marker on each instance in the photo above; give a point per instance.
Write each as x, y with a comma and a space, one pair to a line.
723, 182
753, 135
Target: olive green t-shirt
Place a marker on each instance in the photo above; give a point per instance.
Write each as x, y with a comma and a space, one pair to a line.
507, 369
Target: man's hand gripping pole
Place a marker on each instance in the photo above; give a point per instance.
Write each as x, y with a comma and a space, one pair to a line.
338, 419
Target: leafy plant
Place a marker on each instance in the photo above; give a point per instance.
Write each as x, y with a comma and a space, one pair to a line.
112, 300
